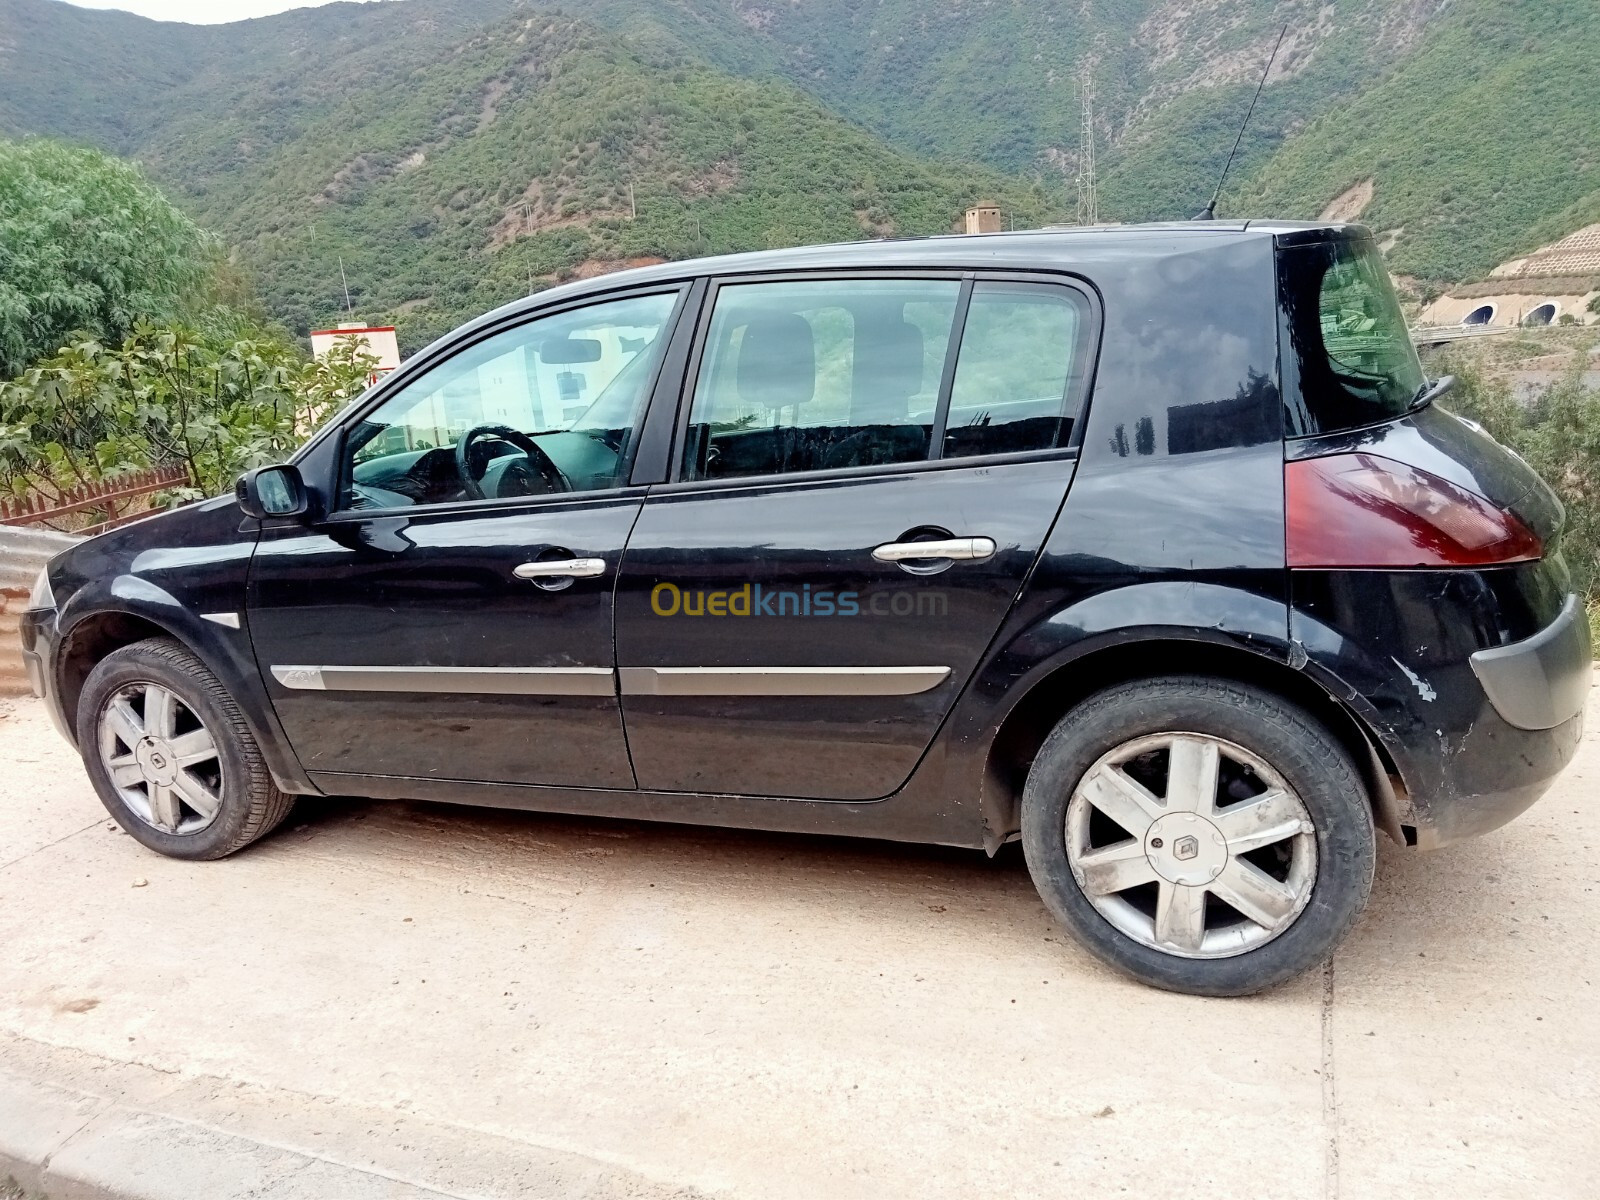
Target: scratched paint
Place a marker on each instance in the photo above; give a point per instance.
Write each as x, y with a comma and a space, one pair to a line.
1422, 686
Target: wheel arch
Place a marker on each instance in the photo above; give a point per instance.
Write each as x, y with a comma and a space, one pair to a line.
130, 609
1022, 732
89, 641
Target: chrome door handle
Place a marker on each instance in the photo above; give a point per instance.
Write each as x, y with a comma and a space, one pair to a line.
963, 549
558, 568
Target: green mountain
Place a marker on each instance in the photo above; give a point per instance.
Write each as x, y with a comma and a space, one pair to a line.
1476, 120
1482, 145
453, 152
533, 149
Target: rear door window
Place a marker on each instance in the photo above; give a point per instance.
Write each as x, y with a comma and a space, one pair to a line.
808, 375
1347, 338
1017, 373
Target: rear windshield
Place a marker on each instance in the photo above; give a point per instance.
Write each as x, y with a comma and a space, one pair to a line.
1346, 338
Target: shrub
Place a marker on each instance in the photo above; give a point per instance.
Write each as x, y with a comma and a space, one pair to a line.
217, 399
1559, 436
86, 243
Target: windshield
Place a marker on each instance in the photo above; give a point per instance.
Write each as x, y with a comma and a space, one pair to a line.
1350, 344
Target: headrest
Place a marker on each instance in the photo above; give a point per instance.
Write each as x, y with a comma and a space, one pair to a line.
889, 360
888, 371
777, 361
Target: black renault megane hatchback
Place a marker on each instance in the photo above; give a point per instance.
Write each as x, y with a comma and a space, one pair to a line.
1146, 546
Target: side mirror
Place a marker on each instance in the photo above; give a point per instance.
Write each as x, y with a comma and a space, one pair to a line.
268, 492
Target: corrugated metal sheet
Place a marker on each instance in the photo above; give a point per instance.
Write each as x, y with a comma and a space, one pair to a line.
23, 554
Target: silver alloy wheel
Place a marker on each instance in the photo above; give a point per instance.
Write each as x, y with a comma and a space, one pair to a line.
1220, 862
161, 758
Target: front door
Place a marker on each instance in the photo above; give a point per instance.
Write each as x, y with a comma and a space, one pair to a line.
453, 618
869, 469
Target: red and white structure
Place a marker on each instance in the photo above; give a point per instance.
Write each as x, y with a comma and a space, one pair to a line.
380, 342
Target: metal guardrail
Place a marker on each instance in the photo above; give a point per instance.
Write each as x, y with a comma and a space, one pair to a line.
1438, 335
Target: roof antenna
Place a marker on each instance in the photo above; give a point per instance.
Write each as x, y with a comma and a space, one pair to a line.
1209, 213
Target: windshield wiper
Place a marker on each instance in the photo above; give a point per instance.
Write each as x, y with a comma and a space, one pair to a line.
1429, 392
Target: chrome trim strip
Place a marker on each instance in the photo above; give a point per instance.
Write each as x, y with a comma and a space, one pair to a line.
498, 681
230, 619
780, 681
302, 679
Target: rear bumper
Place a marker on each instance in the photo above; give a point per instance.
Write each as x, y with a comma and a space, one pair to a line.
1542, 681
1537, 689
1463, 815
1473, 685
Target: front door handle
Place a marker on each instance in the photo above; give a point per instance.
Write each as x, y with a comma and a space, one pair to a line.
961, 549
562, 568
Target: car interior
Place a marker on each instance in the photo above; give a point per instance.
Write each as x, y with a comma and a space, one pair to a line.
841, 378
491, 460
793, 391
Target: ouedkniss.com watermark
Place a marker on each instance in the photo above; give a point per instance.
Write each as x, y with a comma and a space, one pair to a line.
757, 600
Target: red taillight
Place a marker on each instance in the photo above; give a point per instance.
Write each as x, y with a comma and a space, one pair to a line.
1359, 510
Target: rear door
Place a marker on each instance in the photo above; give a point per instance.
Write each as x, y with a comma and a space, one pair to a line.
866, 470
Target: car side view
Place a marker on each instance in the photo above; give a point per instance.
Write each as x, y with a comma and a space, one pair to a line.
1146, 546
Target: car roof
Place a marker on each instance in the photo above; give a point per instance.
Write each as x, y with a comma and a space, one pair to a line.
950, 251
1098, 251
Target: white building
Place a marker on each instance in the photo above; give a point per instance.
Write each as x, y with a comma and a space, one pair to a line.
380, 342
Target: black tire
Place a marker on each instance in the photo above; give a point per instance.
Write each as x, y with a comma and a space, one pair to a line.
1281, 734
251, 804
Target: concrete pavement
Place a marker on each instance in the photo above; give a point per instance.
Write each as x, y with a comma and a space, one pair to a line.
395, 1000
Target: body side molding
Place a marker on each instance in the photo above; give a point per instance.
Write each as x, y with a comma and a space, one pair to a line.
781, 681
504, 681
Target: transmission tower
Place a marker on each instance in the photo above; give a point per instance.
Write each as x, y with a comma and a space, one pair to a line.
1088, 201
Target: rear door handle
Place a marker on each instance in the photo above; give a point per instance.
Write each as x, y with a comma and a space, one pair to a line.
562, 568
962, 549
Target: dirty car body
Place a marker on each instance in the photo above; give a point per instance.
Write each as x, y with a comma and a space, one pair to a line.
1190, 488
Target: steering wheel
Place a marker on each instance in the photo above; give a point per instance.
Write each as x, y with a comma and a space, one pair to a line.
539, 467
868, 448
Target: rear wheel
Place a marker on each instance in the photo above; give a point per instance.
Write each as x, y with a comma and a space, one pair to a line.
1201, 835
171, 756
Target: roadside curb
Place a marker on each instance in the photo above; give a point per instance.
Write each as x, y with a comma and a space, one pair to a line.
71, 1145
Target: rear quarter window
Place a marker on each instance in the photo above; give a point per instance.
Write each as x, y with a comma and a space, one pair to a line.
1348, 356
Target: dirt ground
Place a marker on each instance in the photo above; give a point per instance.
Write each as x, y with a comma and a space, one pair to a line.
491, 1004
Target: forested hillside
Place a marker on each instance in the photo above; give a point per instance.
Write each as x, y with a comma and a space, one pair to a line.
530, 150
1482, 146
449, 150
1477, 120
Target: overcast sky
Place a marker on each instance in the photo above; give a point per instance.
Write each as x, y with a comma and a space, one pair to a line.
202, 12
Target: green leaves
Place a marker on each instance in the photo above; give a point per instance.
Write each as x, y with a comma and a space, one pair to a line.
219, 398
86, 243
1559, 435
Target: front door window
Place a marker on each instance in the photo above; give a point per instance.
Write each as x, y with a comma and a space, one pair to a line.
550, 406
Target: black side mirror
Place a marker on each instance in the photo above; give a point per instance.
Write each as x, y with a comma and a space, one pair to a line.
268, 492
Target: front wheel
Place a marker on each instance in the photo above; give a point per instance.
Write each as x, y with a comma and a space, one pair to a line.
1201, 835
171, 755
